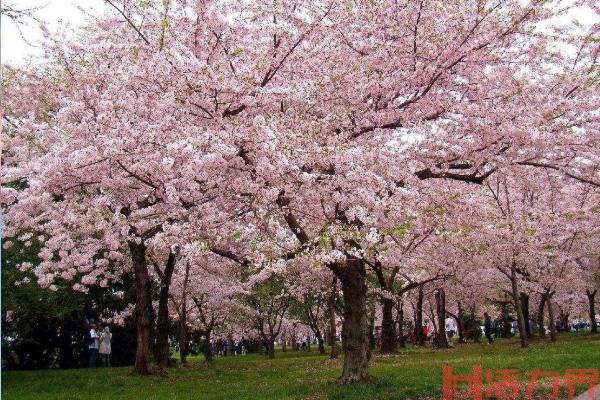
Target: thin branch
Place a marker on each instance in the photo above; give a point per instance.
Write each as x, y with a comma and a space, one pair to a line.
129, 21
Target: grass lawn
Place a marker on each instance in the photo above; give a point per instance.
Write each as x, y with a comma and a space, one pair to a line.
414, 373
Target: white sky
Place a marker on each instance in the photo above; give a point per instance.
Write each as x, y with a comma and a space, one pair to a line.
57, 13
15, 50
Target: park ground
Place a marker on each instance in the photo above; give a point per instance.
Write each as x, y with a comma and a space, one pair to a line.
414, 373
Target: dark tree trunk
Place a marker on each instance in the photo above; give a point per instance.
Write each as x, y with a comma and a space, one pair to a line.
419, 318
321, 344
66, 356
332, 327
152, 319
473, 326
592, 310
230, 345
163, 321
183, 327
208, 354
371, 320
414, 310
525, 305
388, 328
564, 320
551, 317
284, 341
541, 306
141, 312
461, 330
183, 337
354, 331
506, 325
440, 300
401, 325
518, 306
433, 319
460, 325
313, 322
271, 347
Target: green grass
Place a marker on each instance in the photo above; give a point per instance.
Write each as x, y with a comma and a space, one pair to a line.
415, 373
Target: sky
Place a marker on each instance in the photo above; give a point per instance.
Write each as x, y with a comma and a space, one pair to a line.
15, 50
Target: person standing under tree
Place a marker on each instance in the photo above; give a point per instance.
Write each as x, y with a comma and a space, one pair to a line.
93, 344
105, 348
487, 327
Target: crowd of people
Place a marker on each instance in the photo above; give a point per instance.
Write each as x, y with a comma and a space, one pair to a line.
488, 328
220, 346
302, 344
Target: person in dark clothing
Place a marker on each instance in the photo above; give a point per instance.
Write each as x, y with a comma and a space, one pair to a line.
225, 345
487, 327
219, 347
243, 345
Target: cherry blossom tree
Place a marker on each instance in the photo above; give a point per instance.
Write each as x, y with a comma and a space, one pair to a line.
303, 127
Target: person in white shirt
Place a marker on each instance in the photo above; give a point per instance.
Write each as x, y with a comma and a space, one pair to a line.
93, 345
450, 327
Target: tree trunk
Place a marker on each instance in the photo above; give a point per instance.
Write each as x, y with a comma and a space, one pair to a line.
183, 336
564, 321
419, 318
183, 328
321, 344
400, 312
371, 332
388, 327
152, 319
320, 341
271, 347
473, 326
518, 306
440, 300
460, 325
525, 305
332, 327
551, 317
355, 341
541, 306
66, 355
208, 354
433, 319
592, 310
141, 312
230, 345
163, 321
